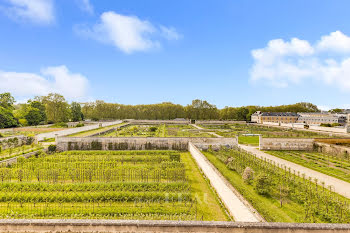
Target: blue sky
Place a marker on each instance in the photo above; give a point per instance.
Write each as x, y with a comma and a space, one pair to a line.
231, 53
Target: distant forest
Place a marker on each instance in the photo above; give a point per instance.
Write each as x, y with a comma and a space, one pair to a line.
54, 108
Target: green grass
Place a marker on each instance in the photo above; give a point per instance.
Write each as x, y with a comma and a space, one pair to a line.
10, 153
320, 162
249, 140
269, 208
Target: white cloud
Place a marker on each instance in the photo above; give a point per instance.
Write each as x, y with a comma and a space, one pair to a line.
51, 79
336, 41
283, 63
128, 33
37, 11
86, 6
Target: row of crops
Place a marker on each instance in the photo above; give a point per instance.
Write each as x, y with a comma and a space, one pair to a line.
80, 184
157, 131
272, 187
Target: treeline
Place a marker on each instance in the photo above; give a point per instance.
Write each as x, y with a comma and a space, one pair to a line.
54, 108
198, 109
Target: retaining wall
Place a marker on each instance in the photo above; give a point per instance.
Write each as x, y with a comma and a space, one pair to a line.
332, 149
129, 226
286, 144
139, 143
157, 122
22, 140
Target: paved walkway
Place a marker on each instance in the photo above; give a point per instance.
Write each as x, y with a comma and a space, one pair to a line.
212, 133
339, 186
65, 132
236, 205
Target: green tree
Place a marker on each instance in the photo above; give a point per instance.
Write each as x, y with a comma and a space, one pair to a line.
41, 107
77, 114
33, 116
7, 100
57, 108
7, 120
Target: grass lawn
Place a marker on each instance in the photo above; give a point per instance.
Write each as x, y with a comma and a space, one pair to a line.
249, 140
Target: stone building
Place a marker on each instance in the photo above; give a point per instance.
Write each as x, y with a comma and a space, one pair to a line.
317, 118
276, 117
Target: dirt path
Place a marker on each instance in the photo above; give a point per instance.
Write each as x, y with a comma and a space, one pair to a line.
212, 133
234, 202
338, 186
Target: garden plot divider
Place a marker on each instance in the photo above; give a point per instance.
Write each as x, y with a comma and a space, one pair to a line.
141, 143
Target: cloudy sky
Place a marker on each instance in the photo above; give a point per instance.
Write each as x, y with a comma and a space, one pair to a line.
232, 53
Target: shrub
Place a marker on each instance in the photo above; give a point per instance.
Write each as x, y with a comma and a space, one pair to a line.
248, 175
80, 125
326, 125
52, 148
1, 136
61, 125
263, 185
153, 129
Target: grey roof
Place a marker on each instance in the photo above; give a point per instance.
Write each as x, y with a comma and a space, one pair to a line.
279, 114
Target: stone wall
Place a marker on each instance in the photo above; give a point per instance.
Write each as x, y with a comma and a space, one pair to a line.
199, 122
22, 140
305, 144
130, 226
157, 122
332, 149
139, 143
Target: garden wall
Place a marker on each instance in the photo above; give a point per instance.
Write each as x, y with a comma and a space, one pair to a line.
22, 140
157, 122
219, 122
332, 149
109, 130
52, 225
139, 143
286, 144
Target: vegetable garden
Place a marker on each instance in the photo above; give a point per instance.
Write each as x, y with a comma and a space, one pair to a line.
230, 130
108, 184
278, 193
157, 131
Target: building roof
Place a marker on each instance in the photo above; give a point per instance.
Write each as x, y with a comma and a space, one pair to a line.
293, 114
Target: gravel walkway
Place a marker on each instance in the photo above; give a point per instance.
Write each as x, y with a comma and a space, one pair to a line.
338, 186
234, 202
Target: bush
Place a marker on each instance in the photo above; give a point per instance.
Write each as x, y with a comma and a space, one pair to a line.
326, 125
80, 125
263, 185
52, 148
61, 125
1, 136
248, 175
153, 129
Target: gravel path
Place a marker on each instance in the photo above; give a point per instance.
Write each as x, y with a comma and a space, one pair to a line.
65, 132
234, 202
212, 133
338, 186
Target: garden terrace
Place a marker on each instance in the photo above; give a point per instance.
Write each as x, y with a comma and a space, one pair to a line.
278, 193
334, 165
109, 185
229, 130
27, 131
159, 130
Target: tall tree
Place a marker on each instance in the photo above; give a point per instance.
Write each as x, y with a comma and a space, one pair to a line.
77, 114
7, 100
57, 108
